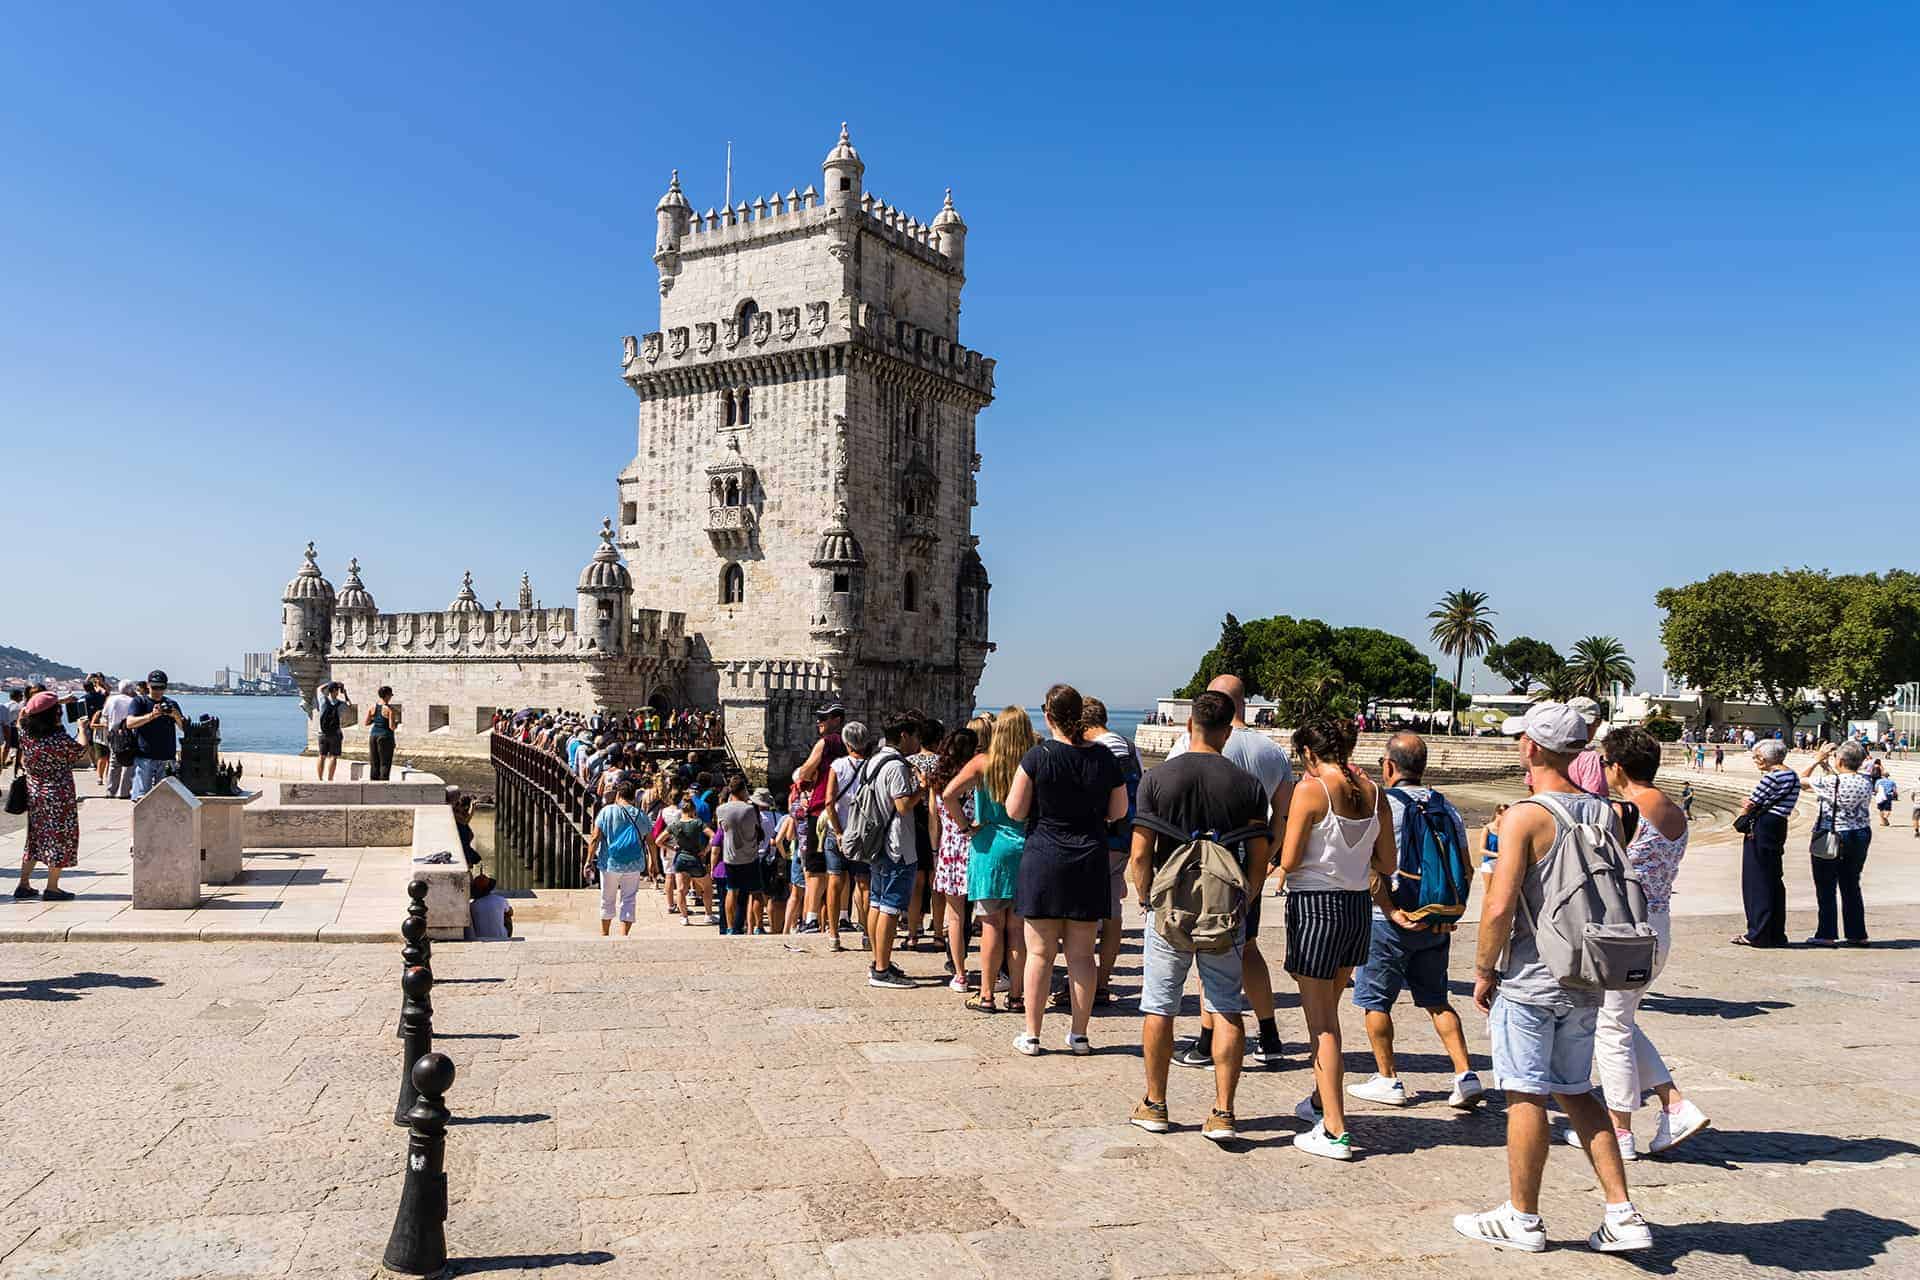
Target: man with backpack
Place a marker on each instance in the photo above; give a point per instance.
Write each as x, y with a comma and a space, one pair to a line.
333, 699
1558, 930
872, 826
1414, 917
1200, 851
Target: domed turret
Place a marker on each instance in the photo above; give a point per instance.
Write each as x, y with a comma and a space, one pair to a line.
354, 596
526, 592
466, 601
974, 587
306, 627
842, 170
605, 600
840, 595
673, 216
951, 233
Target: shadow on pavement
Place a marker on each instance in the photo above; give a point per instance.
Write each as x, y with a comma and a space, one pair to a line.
1731, 1148
1842, 1240
63, 989
1707, 1007
526, 1262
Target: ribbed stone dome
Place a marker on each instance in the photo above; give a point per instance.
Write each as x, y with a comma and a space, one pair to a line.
948, 215
605, 572
466, 601
308, 586
838, 546
843, 152
973, 572
675, 198
353, 595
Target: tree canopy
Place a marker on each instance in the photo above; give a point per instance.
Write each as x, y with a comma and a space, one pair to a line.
1523, 660
1774, 636
1309, 667
1598, 663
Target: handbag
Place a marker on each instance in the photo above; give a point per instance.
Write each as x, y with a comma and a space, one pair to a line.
17, 794
1744, 823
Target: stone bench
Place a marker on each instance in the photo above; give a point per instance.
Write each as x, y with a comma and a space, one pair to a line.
449, 884
361, 793
335, 826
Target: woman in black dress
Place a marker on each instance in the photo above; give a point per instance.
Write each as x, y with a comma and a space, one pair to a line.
1066, 791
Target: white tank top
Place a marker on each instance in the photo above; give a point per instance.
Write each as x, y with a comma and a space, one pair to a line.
1339, 851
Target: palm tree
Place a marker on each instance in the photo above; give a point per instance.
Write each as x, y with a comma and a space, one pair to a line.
1598, 663
1555, 684
1460, 627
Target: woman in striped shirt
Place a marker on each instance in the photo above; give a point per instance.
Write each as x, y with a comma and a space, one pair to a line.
1763, 884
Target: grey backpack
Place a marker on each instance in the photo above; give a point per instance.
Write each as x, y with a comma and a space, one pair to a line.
863, 837
1199, 895
1592, 931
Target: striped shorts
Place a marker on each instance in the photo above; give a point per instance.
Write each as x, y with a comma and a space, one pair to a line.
1327, 930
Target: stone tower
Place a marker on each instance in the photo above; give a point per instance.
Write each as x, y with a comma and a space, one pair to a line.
804, 481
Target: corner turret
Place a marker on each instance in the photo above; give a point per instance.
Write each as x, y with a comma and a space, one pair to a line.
840, 595
604, 604
842, 171
526, 592
354, 598
306, 628
672, 217
951, 234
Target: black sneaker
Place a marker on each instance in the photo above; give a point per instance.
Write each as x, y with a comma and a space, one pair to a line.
809, 926
896, 970
25, 891
1265, 1056
56, 895
888, 977
1189, 1055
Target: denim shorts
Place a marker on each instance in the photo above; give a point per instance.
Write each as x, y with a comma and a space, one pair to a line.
797, 872
837, 865
1163, 976
690, 864
1541, 1050
1415, 959
892, 887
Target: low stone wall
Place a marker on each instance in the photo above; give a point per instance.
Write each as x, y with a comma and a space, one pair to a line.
328, 826
1452, 759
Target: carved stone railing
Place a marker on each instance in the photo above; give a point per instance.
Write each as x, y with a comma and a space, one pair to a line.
730, 528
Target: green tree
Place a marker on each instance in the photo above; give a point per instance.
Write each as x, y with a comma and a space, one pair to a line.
1522, 660
1305, 685
1461, 628
1749, 635
1377, 664
1872, 643
1227, 657
1556, 685
1597, 664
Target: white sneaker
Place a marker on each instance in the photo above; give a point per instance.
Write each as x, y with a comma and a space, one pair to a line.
1502, 1229
1622, 1235
1467, 1093
1385, 1090
1306, 1112
1029, 1045
1078, 1046
1315, 1142
1676, 1127
1625, 1140
959, 984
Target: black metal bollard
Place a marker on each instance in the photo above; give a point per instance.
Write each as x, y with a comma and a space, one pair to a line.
418, 1019
418, 1244
417, 949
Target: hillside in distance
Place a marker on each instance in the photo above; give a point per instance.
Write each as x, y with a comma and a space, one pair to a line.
22, 663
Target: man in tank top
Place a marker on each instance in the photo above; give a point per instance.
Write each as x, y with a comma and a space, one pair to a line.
1542, 1032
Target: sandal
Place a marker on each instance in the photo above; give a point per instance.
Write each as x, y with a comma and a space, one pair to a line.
1102, 997
1016, 1004
981, 1004
1741, 940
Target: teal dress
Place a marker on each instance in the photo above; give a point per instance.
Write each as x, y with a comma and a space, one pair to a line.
993, 864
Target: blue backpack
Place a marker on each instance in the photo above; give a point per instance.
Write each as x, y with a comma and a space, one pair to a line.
1433, 878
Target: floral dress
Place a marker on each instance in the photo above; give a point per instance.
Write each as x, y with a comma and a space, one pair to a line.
53, 814
956, 846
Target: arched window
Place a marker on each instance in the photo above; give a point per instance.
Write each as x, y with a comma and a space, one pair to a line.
733, 493
913, 422
748, 310
744, 393
733, 585
910, 593
727, 400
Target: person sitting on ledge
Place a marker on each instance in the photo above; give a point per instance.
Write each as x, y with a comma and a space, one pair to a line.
490, 914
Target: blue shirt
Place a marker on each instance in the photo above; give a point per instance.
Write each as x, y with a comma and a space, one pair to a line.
612, 823
155, 739
1776, 792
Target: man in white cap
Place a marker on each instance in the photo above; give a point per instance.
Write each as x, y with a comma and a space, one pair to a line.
1542, 1032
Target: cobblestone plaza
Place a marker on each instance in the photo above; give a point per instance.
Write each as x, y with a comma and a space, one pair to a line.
680, 1104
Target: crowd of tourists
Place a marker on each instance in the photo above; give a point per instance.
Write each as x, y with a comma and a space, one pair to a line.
654, 727
1011, 851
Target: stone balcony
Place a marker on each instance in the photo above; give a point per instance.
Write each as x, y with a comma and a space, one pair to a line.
918, 533
730, 528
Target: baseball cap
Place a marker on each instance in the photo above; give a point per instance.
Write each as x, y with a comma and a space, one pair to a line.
1557, 726
831, 709
156, 676
1588, 710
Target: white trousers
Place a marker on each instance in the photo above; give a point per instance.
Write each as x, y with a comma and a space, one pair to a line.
623, 885
1624, 1059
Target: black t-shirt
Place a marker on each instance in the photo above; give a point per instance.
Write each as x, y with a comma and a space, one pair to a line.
155, 739
1071, 786
1199, 791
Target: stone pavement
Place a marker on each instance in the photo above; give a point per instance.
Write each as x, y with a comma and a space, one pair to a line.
344, 895
678, 1104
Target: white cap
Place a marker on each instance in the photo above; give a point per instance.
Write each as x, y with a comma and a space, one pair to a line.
1557, 726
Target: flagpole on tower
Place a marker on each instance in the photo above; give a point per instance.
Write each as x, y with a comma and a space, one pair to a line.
728, 204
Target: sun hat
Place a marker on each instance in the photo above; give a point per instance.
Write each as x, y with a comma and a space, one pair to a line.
762, 797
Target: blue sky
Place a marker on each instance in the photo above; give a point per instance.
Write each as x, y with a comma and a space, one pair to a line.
1297, 309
